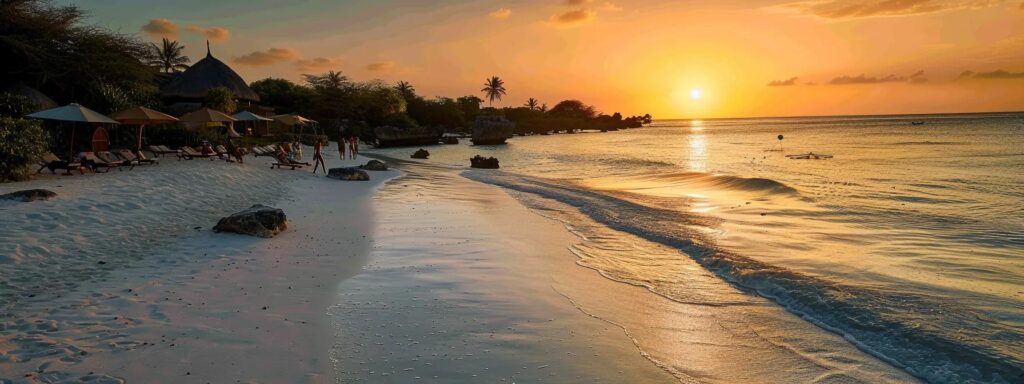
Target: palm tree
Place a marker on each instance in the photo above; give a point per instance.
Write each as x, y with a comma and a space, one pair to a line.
543, 107
168, 56
532, 103
494, 88
406, 89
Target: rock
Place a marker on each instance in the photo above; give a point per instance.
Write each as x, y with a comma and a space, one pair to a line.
450, 140
492, 130
374, 165
483, 162
259, 220
349, 173
29, 195
421, 154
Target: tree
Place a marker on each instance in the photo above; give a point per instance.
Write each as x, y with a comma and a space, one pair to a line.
22, 143
406, 90
573, 109
330, 81
284, 95
168, 56
532, 103
470, 106
493, 89
221, 99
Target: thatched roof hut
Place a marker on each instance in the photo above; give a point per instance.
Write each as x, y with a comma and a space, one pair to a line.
40, 100
207, 73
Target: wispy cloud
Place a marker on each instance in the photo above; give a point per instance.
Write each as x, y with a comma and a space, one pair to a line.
610, 7
783, 83
501, 13
573, 18
270, 56
992, 75
381, 66
213, 33
161, 28
317, 64
851, 9
574, 3
917, 77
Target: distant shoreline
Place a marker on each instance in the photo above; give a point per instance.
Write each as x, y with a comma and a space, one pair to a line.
847, 116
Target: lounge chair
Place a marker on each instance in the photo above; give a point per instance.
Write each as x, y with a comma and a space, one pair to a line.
283, 161
160, 150
94, 163
53, 163
114, 158
131, 156
188, 153
146, 156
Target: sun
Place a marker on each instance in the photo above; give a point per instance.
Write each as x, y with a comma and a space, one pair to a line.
696, 93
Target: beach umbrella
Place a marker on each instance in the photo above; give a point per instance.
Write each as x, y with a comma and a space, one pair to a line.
207, 115
293, 119
249, 116
142, 116
72, 113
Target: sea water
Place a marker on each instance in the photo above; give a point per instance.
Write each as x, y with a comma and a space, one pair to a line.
909, 241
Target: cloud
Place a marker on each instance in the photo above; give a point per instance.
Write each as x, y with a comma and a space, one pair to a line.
782, 83
501, 13
574, 3
610, 7
862, 79
269, 57
317, 63
573, 18
212, 33
160, 28
992, 75
382, 66
851, 9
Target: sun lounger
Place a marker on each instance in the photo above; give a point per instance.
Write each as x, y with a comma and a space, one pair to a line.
53, 163
188, 153
131, 156
113, 158
94, 163
160, 150
289, 165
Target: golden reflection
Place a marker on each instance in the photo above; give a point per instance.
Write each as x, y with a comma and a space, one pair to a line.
698, 154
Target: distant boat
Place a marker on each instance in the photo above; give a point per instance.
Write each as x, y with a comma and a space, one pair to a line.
916, 123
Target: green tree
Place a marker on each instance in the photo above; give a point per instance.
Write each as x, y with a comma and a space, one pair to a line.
572, 109
168, 56
221, 99
406, 90
493, 89
22, 142
532, 103
284, 95
470, 106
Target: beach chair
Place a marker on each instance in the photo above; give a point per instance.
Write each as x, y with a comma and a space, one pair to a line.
148, 156
285, 162
94, 163
113, 158
188, 153
53, 163
132, 157
160, 150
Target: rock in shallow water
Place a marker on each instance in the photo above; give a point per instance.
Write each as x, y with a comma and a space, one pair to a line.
29, 195
374, 165
350, 174
483, 162
259, 220
421, 154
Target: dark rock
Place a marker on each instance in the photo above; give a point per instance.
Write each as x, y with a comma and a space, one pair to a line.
483, 162
349, 174
259, 220
374, 165
491, 130
450, 140
29, 195
421, 154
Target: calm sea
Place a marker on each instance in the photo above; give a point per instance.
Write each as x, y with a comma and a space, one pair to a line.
909, 241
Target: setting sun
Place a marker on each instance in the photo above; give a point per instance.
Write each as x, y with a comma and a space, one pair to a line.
695, 93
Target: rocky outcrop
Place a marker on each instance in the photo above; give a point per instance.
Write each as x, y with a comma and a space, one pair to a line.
401, 137
421, 154
29, 195
374, 165
491, 130
450, 140
483, 162
259, 220
348, 174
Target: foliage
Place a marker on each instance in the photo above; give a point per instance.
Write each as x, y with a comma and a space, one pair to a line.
470, 106
441, 112
284, 95
407, 91
399, 120
168, 56
14, 105
221, 99
532, 104
47, 46
22, 143
494, 89
573, 109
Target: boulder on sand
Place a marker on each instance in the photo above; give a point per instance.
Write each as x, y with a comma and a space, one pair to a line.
374, 165
259, 220
421, 154
449, 140
348, 173
29, 195
483, 162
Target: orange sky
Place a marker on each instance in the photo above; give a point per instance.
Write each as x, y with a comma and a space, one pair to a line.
633, 57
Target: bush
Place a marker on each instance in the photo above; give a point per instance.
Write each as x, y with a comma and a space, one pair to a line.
22, 143
14, 105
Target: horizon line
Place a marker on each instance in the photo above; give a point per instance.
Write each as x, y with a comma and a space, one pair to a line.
851, 115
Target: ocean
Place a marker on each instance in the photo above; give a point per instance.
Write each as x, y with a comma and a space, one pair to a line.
908, 242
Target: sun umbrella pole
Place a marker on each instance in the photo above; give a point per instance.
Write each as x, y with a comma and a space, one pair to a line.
71, 144
140, 137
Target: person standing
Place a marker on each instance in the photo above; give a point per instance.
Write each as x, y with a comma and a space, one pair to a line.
318, 156
353, 147
341, 143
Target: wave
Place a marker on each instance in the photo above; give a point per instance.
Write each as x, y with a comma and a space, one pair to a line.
926, 335
727, 182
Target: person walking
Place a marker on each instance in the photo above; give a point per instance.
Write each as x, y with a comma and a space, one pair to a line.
318, 156
353, 147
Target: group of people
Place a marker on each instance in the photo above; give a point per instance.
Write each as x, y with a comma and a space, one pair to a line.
289, 154
353, 146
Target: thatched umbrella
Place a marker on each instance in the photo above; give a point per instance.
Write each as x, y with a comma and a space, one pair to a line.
207, 116
73, 113
142, 116
293, 120
40, 100
249, 116
206, 74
